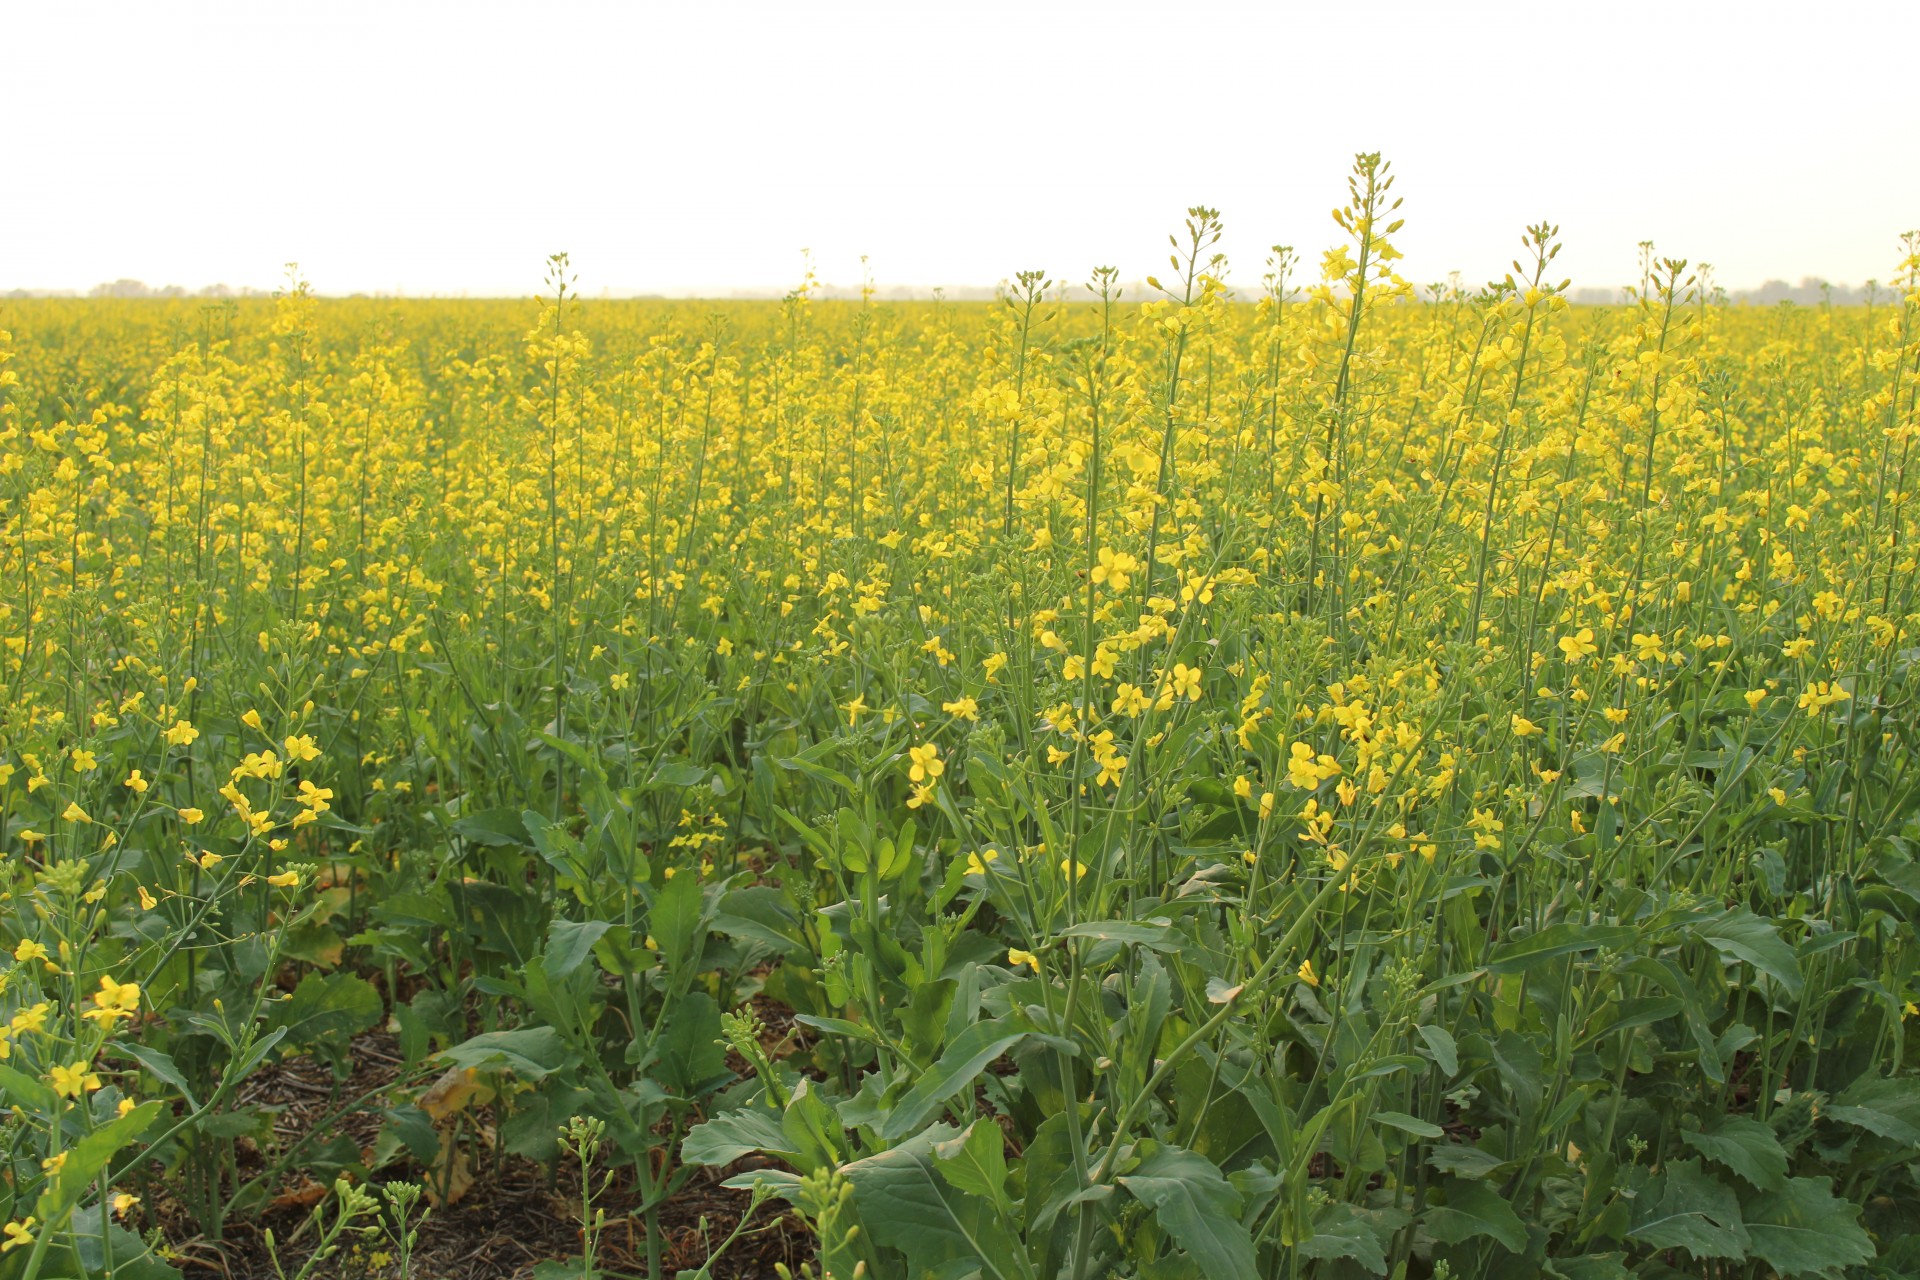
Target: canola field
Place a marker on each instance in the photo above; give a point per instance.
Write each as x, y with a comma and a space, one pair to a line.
1334, 777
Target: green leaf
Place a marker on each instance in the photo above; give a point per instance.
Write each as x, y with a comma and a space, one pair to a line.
531, 1053
1565, 938
1889, 1108
1691, 1211
1803, 1229
728, 1137
760, 914
569, 943
1409, 1124
87, 1157
411, 1128
1591, 1266
976, 1162
1463, 1161
1475, 1209
689, 1045
555, 844
499, 827
17, 1088
1746, 1146
904, 1205
964, 1059
334, 1007
1745, 936
131, 1257
1198, 1207
159, 1065
1156, 934
1339, 1231
1439, 1042
675, 920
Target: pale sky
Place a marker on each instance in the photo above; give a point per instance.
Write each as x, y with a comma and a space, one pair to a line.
699, 146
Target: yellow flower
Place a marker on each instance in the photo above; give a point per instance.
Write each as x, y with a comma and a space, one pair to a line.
1185, 682
1016, 957
977, 862
18, 1234
302, 749
74, 813
83, 761
965, 708
252, 720
190, 816
1078, 870
855, 708
147, 901
114, 1001
135, 783
927, 764
1522, 727
71, 1081
182, 734
1114, 568
1305, 973
33, 1018
1579, 646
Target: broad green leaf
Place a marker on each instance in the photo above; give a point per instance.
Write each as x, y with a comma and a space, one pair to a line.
1198, 1207
690, 1052
1746, 1146
1566, 938
530, 1053
760, 914
555, 844
333, 1007
1691, 1210
728, 1137
161, 1066
1409, 1124
132, 1258
1341, 1232
976, 1162
87, 1158
1157, 934
1592, 1266
965, 1058
1464, 1161
1475, 1209
904, 1205
1887, 1107
1804, 1229
569, 943
675, 920
1745, 936
500, 827
1439, 1042
18, 1089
